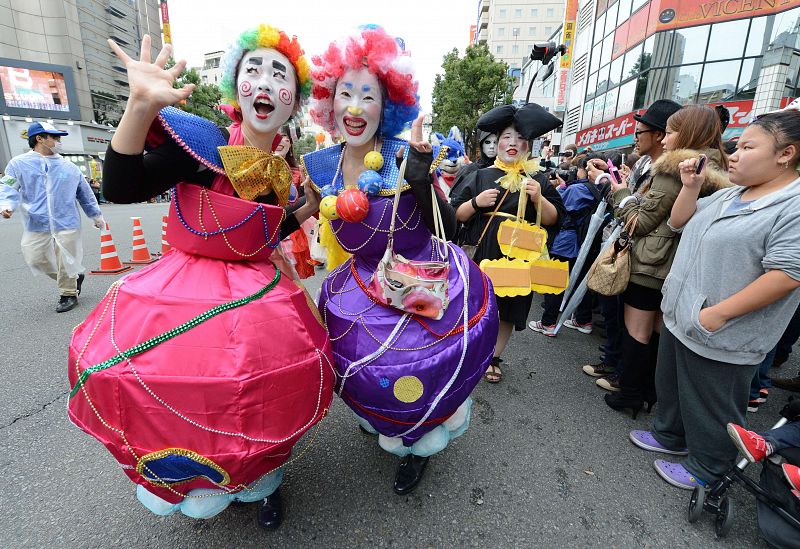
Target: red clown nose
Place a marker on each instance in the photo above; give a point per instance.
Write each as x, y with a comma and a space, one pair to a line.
352, 205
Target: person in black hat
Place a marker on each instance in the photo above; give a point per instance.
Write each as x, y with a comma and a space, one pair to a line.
478, 197
650, 130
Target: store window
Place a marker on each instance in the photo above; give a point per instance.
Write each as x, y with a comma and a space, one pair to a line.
627, 97
624, 11
641, 90
727, 40
683, 82
611, 18
784, 28
719, 81
748, 79
688, 45
602, 79
608, 45
594, 62
597, 113
634, 62
758, 39
637, 4
615, 72
591, 86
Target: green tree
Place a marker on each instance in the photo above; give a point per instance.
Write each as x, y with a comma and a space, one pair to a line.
304, 145
470, 86
204, 99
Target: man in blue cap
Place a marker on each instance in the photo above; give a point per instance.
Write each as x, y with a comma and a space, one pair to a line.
46, 188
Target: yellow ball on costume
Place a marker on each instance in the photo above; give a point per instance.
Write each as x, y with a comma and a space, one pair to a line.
327, 208
373, 161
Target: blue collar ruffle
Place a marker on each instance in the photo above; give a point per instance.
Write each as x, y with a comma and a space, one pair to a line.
321, 166
196, 135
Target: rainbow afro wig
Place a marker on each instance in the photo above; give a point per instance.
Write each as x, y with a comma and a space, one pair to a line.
371, 48
264, 36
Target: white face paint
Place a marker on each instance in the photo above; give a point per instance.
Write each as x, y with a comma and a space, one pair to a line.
511, 146
357, 106
489, 146
266, 89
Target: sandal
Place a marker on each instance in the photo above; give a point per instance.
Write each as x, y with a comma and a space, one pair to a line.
493, 373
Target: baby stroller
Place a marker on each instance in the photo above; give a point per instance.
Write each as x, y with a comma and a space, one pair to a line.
778, 508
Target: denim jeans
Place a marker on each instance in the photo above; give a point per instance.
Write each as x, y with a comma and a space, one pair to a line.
761, 380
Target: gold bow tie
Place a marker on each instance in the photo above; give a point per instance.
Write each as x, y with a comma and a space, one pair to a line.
516, 173
253, 171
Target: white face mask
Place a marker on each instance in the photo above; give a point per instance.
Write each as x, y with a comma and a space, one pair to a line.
357, 106
489, 146
511, 146
266, 89
57, 148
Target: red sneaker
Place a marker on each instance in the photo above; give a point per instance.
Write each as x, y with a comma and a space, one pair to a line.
792, 474
751, 445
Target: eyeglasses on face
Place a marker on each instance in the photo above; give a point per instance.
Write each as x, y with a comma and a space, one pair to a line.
637, 133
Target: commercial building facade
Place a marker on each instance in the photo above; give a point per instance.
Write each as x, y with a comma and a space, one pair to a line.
744, 54
55, 64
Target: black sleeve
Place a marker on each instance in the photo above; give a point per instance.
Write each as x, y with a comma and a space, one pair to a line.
290, 223
554, 197
129, 178
419, 179
466, 191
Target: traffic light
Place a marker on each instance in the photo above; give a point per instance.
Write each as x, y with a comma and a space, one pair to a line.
546, 51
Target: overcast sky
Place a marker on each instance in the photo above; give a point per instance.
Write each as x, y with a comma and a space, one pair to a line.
430, 28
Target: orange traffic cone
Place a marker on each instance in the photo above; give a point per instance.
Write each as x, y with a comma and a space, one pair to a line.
109, 260
165, 247
140, 254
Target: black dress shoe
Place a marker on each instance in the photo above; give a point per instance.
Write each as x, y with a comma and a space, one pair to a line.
270, 513
80, 282
66, 303
409, 473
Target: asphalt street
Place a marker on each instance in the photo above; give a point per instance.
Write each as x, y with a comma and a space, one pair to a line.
544, 464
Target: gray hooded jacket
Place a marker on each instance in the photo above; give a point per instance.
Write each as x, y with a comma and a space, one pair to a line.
721, 252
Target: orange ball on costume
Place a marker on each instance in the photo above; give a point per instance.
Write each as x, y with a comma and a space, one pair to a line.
352, 205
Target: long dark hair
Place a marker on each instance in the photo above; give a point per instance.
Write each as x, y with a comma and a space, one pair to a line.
698, 128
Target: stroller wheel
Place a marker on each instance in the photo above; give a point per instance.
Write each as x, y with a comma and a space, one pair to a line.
724, 520
696, 504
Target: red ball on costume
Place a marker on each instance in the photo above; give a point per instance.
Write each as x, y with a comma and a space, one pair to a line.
352, 205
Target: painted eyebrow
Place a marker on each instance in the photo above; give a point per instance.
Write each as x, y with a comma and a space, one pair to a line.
348, 85
277, 65
255, 60
366, 88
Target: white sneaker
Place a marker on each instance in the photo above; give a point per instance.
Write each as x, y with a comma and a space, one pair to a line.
537, 326
582, 328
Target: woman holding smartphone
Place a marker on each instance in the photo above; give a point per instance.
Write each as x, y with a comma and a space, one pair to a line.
690, 132
733, 287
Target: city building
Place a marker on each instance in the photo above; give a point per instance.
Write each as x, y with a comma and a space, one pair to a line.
211, 73
56, 65
510, 28
628, 53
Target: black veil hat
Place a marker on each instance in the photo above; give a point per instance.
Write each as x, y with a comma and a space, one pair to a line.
530, 120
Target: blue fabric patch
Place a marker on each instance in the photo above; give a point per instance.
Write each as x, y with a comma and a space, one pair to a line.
321, 165
176, 468
198, 136
384, 382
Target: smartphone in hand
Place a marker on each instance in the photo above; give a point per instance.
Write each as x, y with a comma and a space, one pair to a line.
614, 173
701, 163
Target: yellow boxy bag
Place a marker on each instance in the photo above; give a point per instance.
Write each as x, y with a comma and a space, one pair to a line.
528, 267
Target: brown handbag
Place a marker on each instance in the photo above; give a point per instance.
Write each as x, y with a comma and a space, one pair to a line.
611, 271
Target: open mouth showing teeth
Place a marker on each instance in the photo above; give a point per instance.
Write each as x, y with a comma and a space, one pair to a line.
354, 126
263, 106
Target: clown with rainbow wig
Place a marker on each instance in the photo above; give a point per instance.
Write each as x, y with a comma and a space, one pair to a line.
200, 372
405, 365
